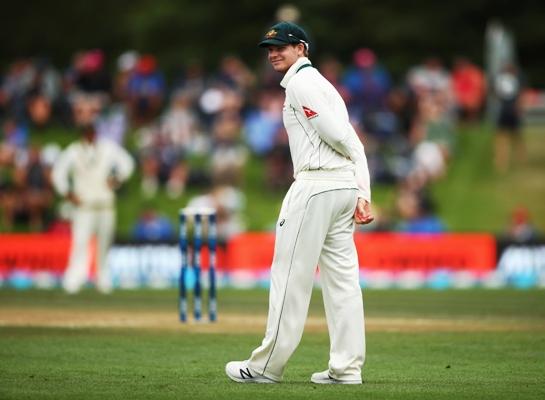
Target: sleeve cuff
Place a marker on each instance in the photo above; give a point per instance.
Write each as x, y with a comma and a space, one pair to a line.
365, 196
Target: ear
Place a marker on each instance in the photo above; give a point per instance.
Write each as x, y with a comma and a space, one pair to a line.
300, 49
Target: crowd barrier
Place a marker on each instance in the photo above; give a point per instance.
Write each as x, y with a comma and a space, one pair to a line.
385, 259
392, 251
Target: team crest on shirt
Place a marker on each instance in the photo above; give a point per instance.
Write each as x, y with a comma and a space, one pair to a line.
309, 113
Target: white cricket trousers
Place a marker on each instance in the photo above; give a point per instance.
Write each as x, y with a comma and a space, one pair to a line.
315, 227
87, 222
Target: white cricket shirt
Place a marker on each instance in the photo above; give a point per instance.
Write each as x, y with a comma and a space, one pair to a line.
319, 131
84, 168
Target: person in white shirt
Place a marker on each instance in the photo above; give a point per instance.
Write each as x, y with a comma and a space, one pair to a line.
331, 191
87, 173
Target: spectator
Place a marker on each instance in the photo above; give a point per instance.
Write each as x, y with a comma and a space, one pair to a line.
39, 110
279, 166
152, 227
367, 84
263, 124
15, 88
411, 126
162, 161
433, 138
265, 135
15, 136
417, 214
126, 65
229, 203
9, 192
183, 130
91, 76
36, 191
181, 123
216, 99
112, 123
25, 192
43, 94
468, 83
191, 82
403, 105
508, 87
235, 75
153, 165
228, 154
12, 150
72, 73
430, 78
146, 90
521, 229
332, 69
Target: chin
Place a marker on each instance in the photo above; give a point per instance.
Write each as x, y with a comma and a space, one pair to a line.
280, 68
277, 66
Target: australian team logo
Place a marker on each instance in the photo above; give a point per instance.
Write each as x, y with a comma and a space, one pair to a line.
272, 33
309, 113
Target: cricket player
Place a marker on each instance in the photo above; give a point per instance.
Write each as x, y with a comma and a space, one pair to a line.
331, 191
87, 174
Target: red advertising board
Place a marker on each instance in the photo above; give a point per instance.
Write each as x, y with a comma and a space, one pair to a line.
394, 251
254, 251
34, 251
426, 251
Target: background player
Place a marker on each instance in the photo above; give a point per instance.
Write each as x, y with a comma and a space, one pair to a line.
87, 174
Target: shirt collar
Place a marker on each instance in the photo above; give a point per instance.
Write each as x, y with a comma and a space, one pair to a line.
293, 70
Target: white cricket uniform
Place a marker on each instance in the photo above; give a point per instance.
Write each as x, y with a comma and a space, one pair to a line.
316, 227
84, 168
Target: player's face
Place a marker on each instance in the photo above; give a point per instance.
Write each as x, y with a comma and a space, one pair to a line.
283, 57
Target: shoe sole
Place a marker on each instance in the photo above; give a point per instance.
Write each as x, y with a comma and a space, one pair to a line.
334, 382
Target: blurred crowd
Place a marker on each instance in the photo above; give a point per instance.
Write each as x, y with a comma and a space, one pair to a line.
200, 128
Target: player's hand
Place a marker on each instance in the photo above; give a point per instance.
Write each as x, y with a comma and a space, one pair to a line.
363, 214
72, 198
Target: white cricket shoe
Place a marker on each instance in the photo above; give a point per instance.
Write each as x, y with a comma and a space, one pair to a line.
324, 378
240, 372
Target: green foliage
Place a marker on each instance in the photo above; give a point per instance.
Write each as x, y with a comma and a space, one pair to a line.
474, 197
183, 31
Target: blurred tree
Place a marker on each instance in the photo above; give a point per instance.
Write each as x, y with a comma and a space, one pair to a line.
402, 33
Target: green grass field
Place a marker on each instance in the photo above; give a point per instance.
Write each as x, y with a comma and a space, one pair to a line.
420, 344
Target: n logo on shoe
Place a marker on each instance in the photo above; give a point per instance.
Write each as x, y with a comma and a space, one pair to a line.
244, 374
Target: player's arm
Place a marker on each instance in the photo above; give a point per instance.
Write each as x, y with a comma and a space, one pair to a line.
60, 176
335, 131
354, 149
123, 166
